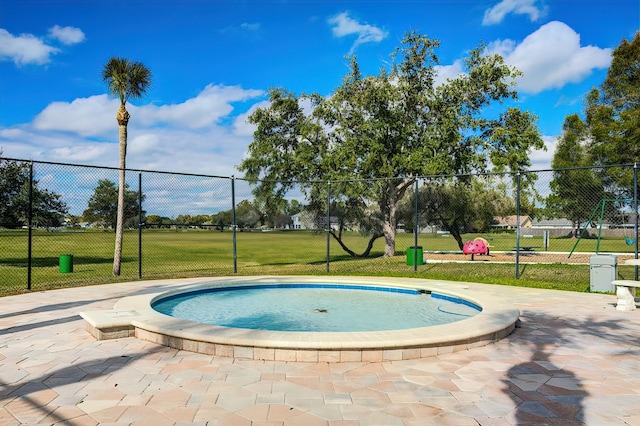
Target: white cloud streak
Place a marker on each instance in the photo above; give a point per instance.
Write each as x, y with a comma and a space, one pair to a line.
254, 26
497, 13
207, 108
343, 25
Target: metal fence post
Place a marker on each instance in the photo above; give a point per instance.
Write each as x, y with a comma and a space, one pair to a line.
233, 223
328, 222
635, 213
415, 230
140, 225
29, 226
518, 225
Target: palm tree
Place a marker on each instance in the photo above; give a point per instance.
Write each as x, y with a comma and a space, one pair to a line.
124, 79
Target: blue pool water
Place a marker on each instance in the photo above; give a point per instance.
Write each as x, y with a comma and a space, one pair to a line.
316, 307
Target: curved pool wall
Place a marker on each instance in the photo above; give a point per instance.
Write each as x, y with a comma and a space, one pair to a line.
308, 307
134, 316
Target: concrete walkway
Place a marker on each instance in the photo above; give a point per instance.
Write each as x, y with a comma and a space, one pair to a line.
573, 360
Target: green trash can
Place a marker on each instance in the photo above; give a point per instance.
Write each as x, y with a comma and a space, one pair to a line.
66, 263
411, 255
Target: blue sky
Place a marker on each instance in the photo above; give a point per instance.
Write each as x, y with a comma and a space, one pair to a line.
213, 61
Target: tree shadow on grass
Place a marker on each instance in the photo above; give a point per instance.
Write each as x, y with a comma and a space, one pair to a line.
50, 261
346, 258
544, 388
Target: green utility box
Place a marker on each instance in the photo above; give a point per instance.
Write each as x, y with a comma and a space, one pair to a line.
66, 263
411, 255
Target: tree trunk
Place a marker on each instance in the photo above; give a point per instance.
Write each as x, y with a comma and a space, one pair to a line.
455, 233
389, 230
352, 253
392, 198
123, 121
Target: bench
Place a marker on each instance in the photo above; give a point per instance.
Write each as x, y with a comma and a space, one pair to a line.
626, 290
528, 249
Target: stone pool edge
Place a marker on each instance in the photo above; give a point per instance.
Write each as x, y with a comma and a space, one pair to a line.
133, 316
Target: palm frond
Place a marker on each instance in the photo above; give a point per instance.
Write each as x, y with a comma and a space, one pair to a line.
126, 79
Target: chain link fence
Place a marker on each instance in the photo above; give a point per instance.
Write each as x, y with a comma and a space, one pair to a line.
57, 224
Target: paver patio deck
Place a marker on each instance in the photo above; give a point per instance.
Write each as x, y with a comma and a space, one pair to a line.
573, 360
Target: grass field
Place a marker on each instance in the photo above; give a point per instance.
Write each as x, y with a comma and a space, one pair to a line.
186, 253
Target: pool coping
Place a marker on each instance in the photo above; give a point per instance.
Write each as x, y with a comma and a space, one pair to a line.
134, 316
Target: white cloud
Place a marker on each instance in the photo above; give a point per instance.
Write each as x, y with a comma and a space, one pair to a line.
551, 57
445, 72
12, 133
84, 153
67, 35
25, 142
204, 134
241, 125
541, 159
145, 144
242, 29
502, 47
95, 116
208, 107
344, 26
255, 26
24, 49
27, 49
88, 117
496, 14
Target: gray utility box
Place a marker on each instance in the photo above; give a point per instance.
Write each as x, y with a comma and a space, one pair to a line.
603, 270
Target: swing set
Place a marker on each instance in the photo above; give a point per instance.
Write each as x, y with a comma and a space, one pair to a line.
629, 240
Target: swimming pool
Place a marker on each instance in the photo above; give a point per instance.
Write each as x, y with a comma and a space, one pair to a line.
304, 307
135, 316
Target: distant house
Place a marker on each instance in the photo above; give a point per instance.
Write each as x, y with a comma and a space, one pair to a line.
563, 223
306, 220
559, 223
67, 223
302, 220
510, 222
562, 226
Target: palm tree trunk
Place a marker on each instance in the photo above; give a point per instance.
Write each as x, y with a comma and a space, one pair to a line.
123, 120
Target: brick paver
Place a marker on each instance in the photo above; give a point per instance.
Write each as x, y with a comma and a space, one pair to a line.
573, 360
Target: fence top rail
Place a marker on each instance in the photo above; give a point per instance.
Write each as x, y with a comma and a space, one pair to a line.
424, 177
114, 168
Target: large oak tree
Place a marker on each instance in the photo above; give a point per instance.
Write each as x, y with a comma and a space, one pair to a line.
376, 134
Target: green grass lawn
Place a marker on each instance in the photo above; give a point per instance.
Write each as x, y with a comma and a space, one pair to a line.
187, 253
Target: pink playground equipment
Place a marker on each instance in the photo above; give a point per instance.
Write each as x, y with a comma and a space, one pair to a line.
477, 246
